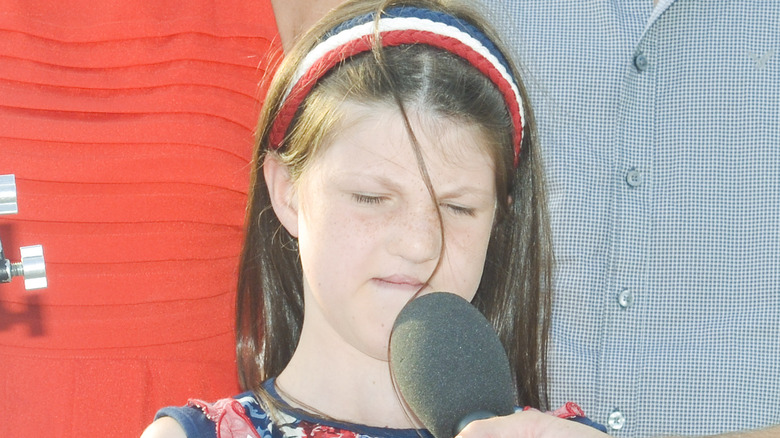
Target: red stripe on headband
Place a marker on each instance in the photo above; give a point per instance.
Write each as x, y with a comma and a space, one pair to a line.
304, 85
389, 39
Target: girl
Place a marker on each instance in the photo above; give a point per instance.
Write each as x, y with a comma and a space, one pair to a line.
395, 158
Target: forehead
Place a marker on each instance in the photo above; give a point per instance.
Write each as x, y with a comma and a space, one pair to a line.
377, 136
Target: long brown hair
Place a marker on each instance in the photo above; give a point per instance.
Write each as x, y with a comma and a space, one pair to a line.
515, 290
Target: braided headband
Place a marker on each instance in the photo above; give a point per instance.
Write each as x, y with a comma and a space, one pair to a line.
397, 26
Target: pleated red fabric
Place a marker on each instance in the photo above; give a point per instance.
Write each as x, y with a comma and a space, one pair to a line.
129, 128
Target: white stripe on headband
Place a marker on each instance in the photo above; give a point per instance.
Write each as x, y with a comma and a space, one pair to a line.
387, 24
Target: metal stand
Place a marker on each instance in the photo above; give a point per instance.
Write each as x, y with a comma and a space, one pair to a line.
32, 266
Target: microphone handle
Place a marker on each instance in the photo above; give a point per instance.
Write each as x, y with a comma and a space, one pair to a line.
474, 416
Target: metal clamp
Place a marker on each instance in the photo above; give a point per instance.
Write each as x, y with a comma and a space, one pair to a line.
32, 267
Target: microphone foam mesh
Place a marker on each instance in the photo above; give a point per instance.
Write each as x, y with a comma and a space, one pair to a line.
448, 362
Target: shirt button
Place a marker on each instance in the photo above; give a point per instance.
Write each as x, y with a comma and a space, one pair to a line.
634, 177
640, 62
626, 298
616, 420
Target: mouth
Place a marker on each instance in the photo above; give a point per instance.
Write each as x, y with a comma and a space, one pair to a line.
400, 282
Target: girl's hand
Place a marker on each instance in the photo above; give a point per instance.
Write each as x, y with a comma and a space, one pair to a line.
528, 424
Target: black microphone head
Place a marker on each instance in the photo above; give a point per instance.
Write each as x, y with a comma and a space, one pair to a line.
449, 364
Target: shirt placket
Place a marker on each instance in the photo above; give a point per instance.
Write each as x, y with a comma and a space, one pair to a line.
626, 285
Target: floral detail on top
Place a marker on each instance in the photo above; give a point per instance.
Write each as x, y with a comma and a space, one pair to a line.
312, 430
245, 417
568, 411
292, 429
229, 417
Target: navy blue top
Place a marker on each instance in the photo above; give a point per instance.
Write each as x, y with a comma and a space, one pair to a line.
200, 420
243, 416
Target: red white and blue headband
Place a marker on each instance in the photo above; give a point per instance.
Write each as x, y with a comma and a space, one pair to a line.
398, 26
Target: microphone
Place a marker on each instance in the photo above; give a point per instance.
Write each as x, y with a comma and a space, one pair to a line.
449, 364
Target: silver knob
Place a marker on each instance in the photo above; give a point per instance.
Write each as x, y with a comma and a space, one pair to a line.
8, 195
32, 267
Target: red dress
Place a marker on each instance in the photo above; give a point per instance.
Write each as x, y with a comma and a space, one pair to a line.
129, 127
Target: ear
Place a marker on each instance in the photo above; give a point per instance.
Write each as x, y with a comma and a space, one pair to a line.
282, 192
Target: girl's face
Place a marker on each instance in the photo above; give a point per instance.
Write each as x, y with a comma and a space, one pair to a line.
368, 231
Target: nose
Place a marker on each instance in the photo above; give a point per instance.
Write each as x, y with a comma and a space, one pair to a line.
416, 233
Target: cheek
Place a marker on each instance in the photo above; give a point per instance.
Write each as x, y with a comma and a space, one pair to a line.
332, 241
465, 253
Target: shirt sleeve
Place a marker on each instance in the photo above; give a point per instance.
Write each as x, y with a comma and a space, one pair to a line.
192, 420
588, 422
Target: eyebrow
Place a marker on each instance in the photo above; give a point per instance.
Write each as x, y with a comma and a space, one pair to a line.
363, 175
448, 193
464, 190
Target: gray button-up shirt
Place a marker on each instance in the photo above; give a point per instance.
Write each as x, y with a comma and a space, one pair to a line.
661, 133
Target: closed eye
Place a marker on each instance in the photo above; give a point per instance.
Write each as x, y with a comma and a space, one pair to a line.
460, 210
367, 199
